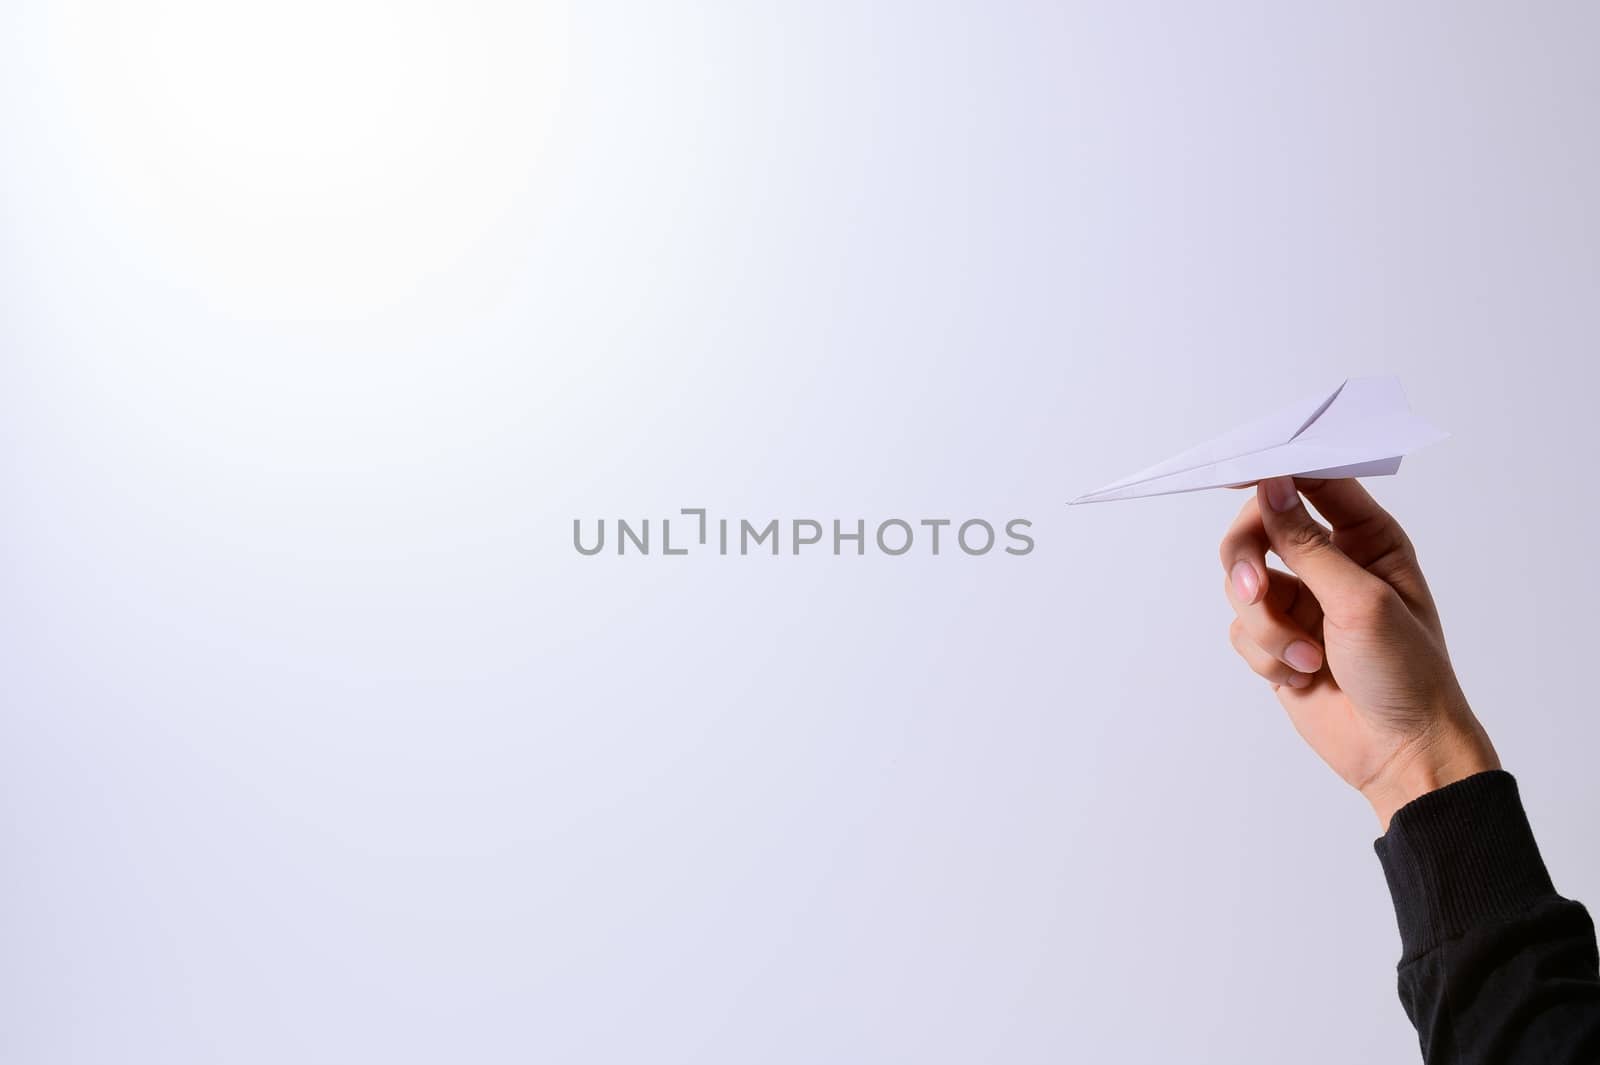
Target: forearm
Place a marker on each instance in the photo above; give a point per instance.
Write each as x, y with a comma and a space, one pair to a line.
1495, 966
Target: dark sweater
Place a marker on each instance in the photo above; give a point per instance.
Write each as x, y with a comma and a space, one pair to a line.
1494, 966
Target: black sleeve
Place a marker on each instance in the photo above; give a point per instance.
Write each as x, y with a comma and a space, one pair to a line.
1495, 966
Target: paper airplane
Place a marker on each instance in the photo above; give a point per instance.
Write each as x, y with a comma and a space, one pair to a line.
1362, 429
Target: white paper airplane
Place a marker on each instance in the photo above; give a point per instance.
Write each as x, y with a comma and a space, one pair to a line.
1362, 430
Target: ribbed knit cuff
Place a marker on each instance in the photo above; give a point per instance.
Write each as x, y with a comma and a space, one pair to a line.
1459, 857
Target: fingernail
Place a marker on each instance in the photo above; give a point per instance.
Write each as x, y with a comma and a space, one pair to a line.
1299, 680
1245, 581
1282, 494
1303, 656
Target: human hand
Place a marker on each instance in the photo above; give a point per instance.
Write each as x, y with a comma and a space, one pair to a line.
1350, 640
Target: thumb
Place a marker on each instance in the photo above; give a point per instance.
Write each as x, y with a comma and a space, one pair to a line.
1305, 546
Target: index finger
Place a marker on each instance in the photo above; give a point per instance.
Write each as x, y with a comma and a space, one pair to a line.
1371, 536
1244, 553
1361, 528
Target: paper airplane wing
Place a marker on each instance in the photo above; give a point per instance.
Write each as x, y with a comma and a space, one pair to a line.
1362, 429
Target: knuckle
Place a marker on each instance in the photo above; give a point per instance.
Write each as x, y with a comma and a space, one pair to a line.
1385, 535
1403, 550
1399, 561
1305, 537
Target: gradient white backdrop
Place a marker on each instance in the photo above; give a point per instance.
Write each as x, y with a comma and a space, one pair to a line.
323, 321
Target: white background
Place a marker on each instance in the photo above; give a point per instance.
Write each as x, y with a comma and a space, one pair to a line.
323, 320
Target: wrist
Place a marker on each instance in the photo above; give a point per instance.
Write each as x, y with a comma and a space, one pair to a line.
1428, 763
